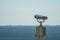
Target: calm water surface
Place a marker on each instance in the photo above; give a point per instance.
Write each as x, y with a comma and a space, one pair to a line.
27, 33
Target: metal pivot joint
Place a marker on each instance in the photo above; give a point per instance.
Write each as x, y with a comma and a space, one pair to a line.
40, 19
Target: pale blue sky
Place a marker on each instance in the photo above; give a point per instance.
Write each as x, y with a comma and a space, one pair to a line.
22, 12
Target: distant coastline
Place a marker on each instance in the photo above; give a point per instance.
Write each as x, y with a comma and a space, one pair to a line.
25, 25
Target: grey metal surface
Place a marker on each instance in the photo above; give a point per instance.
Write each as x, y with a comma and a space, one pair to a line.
40, 17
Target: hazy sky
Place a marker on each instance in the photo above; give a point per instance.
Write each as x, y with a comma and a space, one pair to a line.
22, 11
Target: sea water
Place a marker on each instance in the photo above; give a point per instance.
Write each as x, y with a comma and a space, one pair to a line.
28, 33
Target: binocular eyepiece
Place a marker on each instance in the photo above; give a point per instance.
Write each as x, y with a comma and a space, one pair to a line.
40, 18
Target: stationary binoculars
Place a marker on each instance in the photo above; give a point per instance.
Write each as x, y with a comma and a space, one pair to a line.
40, 30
